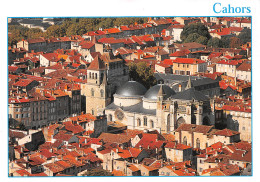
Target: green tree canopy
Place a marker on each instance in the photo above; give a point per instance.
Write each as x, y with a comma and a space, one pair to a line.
245, 36
198, 28
192, 37
19, 32
97, 172
142, 73
225, 41
214, 42
202, 40
70, 26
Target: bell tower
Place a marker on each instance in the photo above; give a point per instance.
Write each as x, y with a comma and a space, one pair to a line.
97, 89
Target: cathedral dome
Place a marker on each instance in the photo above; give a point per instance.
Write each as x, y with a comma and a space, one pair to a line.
153, 92
131, 88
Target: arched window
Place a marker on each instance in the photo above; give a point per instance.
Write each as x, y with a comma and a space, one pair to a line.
95, 75
197, 143
92, 76
102, 93
151, 124
184, 140
145, 121
138, 122
110, 118
92, 92
89, 74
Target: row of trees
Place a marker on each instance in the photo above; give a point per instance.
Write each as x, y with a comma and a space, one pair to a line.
70, 26
199, 33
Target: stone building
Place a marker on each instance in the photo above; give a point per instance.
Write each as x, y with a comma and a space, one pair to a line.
159, 108
97, 89
105, 75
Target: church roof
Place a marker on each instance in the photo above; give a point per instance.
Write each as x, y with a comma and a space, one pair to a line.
190, 94
137, 108
97, 64
131, 88
152, 93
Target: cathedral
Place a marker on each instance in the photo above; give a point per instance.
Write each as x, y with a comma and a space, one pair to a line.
159, 108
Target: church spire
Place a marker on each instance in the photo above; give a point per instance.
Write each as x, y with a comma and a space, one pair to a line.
160, 93
189, 84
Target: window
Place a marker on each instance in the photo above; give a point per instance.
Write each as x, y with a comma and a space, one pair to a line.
151, 124
102, 93
184, 140
145, 121
138, 122
197, 143
110, 117
92, 92
92, 111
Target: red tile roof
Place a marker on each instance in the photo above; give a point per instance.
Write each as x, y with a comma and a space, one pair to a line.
23, 172
74, 128
96, 64
181, 53
86, 44
183, 61
23, 83
12, 68
178, 146
244, 67
228, 62
226, 132
46, 153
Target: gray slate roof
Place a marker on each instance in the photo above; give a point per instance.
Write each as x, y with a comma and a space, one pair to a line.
131, 88
137, 108
153, 92
190, 94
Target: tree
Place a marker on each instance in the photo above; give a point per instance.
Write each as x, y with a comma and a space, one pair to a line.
245, 36
54, 31
142, 73
214, 42
19, 32
97, 172
225, 41
198, 28
21, 126
192, 37
235, 42
202, 40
